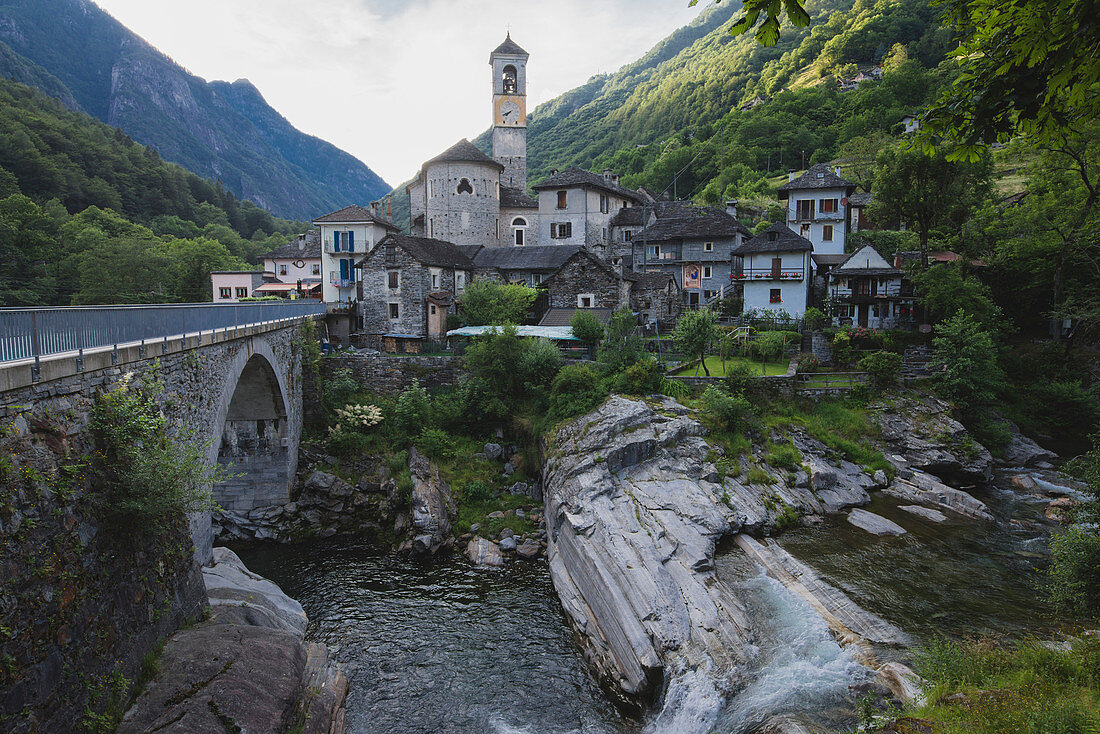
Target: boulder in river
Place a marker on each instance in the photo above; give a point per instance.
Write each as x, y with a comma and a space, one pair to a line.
432, 507
484, 553
926, 512
1023, 452
926, 490
875, 524
238, 596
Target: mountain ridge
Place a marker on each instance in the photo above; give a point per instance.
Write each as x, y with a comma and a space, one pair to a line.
218, 130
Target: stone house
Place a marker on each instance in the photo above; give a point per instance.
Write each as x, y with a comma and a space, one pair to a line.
694, 244
655, 297
586, 281
344, 236
409, 286
775, 270
868, 291
576, 208
818, 207
528, 265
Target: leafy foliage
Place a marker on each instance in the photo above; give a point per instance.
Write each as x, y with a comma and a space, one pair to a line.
487, 302
586, 327
883, 367
724, 410
577, 389
622, 345
968, 357
695, 332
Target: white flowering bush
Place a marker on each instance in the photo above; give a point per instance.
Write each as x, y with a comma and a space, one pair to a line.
353, 417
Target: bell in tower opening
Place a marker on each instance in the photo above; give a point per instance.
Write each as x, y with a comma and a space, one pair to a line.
509, 79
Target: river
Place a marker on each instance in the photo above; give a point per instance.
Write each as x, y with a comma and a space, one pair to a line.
446, 648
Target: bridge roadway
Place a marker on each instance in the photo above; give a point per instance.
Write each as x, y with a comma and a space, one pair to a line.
232, 377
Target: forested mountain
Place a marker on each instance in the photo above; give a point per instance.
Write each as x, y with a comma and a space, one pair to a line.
654, 116
89, 216
74, 51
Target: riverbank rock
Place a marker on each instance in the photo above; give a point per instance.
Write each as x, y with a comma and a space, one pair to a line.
874, 524
924, 489
431, 507
907, 686
920, 429
1023, 452
238, 596
926, 512
632, 527
246, 669
484, 553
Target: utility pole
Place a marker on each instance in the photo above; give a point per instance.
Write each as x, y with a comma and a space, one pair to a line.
803, 159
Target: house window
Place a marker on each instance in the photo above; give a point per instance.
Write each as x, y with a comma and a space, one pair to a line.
707, 295
829, 205
561, 230
561, 199
805, 231
805, 209
827, 233
605, 204
242, 293
316, 268
435, 279
776, 295
843, 311
395, 310
225, 293
538, 278
394, 279
464, 187
708, 247
460, 281
429, 188
585, 300
707, 271
627, 235
282, 268
519, 231
433, 309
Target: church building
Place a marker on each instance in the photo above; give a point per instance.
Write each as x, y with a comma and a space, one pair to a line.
465, 197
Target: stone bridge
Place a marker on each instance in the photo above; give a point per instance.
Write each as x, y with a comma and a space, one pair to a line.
237, 389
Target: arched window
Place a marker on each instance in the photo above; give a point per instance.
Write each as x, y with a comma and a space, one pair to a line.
519, 231
464, 187
510, 84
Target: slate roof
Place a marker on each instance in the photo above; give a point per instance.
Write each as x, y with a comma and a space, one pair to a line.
860, 199
428, 251
811, 180
354, 213
537, 257
302, 247
628, 216
828, 259
786, 240
513, 198
509, 48
681, 221
562, 316
574, 176
650, 280
463, 152
848, 267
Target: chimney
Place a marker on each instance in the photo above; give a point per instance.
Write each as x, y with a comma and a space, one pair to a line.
837, 170
607, 174
374, 208
731, 208
389, 206
792, 175
301, 242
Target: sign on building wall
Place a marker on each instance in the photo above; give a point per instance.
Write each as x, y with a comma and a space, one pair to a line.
691, 276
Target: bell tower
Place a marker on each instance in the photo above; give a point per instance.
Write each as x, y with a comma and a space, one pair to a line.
509, 63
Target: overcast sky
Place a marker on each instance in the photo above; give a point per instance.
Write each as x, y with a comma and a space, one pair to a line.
394, 82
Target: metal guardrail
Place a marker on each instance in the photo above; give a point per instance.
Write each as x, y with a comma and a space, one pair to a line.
30, 333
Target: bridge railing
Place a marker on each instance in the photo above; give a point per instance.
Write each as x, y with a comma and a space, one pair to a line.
30, 333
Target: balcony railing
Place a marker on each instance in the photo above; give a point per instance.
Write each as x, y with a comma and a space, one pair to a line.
768, 274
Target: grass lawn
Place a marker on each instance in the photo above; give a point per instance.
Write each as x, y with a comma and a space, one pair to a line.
714, 364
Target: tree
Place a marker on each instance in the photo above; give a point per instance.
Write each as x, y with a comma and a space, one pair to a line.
28, 251
1029, 66
622, 346
694, 333
926, 191
192, 263
767, 32
487, 302
586, 327
946, 290
968, 358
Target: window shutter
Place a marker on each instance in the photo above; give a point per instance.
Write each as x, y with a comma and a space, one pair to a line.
336, 241
351, 241
343, 270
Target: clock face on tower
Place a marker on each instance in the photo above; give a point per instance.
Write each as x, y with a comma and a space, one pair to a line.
509, 113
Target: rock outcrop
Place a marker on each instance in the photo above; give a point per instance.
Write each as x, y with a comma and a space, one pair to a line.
925, 512
922, 434
1025, 453
484, 553
925, 490
874, 524
431, 507
633, 511
245, 669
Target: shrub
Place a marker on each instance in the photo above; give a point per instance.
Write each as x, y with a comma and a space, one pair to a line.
435, 443
478, 491
338, 390
411, 412
506, 371
814, 318
969, 361
883, 367
757, 475
643, 377
808, 363
738, 377
725, 410
489, 302
784, 456
346, 444
576, 390
149, 480
842, 346
586, 327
